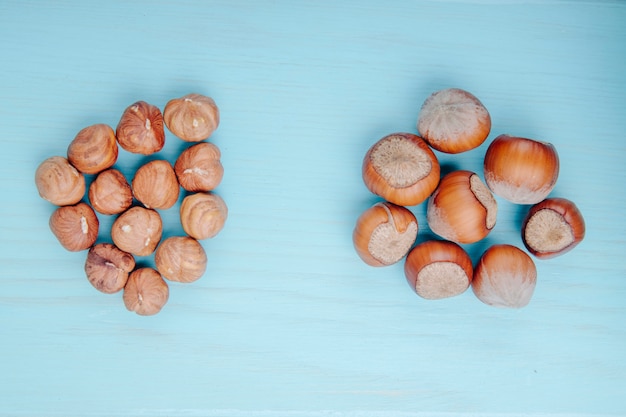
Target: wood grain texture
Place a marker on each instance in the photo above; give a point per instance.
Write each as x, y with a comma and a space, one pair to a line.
287, 320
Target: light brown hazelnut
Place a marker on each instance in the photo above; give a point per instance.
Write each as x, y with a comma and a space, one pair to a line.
76, 227
155, 185
192, 118
138, 231
59, 182
181, 259
146, 292
203, 215
140, 129
107, 267
198, 168
94, 149
110, 193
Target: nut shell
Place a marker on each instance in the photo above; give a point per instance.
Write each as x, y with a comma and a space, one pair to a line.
107, 267
140, 129
110, 193
76, 227
192, 118
94, 149
138, 231
180, 259
198, 168
155, 185
203, 215
146, 292
59, 182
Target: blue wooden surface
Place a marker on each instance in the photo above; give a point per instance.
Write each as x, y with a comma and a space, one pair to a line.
287, 321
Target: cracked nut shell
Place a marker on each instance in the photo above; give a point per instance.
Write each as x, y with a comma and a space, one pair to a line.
107, 267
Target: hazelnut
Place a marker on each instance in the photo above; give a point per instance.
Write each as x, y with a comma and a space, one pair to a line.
76, 227
203, 215
181, 259
198, 168
59, 182
453, 121
192, 118
138, 231
401, 169
145, 292
107, 267
110, 193
384, 233
155, 185
94, 149
140, 129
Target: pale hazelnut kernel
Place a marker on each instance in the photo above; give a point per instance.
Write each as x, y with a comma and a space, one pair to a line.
198, 168
76, 227
94, 149
155, 185
107, 267
59, 182
192, 118
181, 259
203, 215
140, 129
138, 231
110, 193
145, 292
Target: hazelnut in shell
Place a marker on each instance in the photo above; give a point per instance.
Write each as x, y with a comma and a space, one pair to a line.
192, 118
505, 276
384, 233
94, 149
521, 170
203, 215
462, 209
553, 227
198, 168
140, 129
180, 259
110, 193
401, 169
107, 267
453, 121
76, 227
138, 231
155, 185
438, 269
59, 182
145, 292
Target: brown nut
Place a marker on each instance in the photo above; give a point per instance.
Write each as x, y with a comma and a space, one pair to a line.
107, 267
192, 118
110, 193
76, 227
203, 215
140, 129
181, 259
59, 182
146, 292
198, 168
138, 231
94, 149
155, 185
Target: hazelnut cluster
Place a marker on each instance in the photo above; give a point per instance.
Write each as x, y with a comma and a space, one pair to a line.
85, 184
402, 169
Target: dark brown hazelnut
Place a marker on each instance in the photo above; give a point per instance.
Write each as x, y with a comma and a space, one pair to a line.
203, 215
107, 267
94, 149
198, 168
181, 259
76, 227
140, 129
138, 231
146, 292
110, 193
155, 185
192, 118
59, 182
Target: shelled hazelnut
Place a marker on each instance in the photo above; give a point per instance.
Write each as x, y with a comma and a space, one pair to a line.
181, 259
107, 267
155, 185
94, 149
198, 168
203, 215
145, 292
110, 193
59, 182
140, 129
138, 231
192, 118
76, 227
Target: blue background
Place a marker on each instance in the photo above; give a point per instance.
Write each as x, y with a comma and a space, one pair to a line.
287, 320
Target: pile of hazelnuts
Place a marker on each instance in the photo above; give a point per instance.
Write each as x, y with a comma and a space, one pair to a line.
403, 170
137, 228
